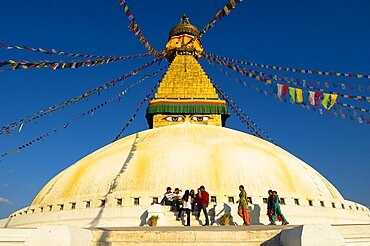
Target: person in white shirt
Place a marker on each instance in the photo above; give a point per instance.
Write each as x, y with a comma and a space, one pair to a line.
187, 201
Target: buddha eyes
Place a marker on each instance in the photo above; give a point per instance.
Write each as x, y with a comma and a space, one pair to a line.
174, 118
182, 118
199, 118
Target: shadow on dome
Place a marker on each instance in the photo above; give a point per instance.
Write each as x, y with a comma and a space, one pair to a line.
113, 185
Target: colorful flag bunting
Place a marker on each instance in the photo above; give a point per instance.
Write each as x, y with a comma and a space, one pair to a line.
52, 109
52, 52
219, 15
309, 97
133, 26
89, 112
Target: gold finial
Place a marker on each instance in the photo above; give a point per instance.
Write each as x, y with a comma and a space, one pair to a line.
184, 19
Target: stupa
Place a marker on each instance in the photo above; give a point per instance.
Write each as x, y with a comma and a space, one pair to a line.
186, 146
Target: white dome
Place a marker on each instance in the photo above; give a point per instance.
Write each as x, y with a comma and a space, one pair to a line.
186, 156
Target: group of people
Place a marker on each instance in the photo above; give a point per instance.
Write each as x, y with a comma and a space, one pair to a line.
187, 202
273, 209
200, 200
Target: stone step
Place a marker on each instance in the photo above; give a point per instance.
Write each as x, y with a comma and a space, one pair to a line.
356, 235
231, 235
14, 236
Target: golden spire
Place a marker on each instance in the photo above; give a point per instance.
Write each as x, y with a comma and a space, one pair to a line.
182, 40
185, 94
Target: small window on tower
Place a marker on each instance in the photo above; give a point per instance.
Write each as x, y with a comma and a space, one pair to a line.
322, 204
119, 202
102, 203
213, 199
310, 203
333, 204
155, 200
231, 199
88, 204
282, 201
50, 207
296, 201
73, 205
136, 201
343, 206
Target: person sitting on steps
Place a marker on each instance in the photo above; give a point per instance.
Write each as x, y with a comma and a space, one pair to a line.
168, 198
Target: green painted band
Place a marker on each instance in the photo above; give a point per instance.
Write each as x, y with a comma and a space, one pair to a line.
187, 109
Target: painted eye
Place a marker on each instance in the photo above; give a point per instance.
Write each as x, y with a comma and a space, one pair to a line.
199, 118
174, 118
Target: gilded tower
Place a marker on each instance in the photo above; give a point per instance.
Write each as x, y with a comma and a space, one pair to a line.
185, 94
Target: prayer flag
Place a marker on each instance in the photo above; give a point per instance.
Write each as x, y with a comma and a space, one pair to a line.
20, 127
305, 97
299, 95
275, 88
317, 97
285, 90
333, 99
311, 97
325, 100
280, 90
292, 94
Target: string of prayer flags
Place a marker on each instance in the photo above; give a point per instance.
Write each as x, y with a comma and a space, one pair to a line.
86, 113
309, 84
294, 82
349, 114
64, 65
310, 103
298, 70
243, 116
226, 10
134, 27
49, 52
137, 110
262, 77
52, 109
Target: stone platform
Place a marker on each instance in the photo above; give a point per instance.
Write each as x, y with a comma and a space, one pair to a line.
291, 235
180, 235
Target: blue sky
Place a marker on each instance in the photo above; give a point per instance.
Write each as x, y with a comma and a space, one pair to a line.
319, 35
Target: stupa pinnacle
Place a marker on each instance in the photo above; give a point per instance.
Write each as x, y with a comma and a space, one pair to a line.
185, 94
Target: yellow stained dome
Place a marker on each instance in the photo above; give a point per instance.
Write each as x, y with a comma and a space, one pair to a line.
185, 156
